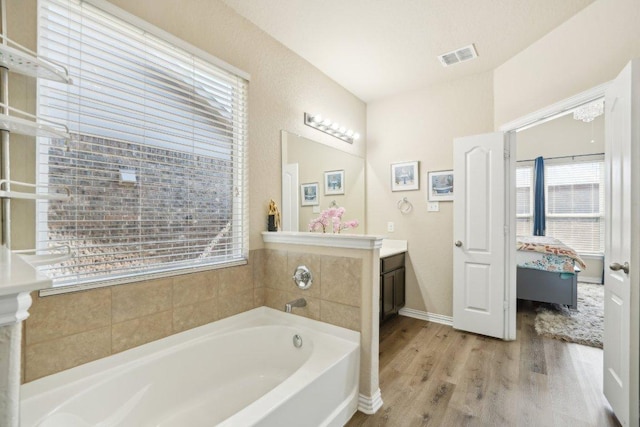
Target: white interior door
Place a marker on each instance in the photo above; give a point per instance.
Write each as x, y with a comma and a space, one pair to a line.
622, 159
479, 234
290, 197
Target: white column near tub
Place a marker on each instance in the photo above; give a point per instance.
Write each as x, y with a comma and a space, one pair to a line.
17, 279
367, 248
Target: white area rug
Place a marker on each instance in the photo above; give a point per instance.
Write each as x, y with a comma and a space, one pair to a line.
583, 326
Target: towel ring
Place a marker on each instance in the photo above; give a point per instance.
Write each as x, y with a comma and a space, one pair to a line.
405, 205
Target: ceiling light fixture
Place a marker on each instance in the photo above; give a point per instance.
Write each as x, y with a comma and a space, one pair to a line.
332, 128
590, 111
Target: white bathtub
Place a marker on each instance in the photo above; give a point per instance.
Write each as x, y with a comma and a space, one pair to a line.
240, 371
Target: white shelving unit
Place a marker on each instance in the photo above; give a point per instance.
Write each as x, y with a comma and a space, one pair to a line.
18, 273
18, 59
26, 62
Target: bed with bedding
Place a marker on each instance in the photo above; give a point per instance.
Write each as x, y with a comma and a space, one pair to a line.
547, 271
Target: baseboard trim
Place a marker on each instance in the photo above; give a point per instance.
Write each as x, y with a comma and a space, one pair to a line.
370, 404
429, 317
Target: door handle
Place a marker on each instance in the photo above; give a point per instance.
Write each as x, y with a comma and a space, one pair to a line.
615, 267
458, 243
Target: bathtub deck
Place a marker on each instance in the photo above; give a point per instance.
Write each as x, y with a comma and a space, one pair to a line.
433, 375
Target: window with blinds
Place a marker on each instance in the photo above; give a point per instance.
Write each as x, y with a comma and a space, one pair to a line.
156, 166
524, 200
574, 194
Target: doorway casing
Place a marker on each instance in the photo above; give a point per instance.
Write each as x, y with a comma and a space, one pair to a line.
511, 129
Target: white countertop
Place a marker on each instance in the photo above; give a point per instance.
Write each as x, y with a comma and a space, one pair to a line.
392, 247
17, 275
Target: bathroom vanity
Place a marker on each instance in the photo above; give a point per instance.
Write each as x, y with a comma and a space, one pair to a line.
392, 273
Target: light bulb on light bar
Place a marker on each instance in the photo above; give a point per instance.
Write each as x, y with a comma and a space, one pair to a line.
332, 128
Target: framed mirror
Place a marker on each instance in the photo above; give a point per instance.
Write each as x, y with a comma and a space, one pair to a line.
340, 175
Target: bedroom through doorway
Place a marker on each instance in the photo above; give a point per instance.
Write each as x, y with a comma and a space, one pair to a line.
560, 224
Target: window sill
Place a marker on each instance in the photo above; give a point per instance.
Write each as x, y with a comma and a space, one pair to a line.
63, 289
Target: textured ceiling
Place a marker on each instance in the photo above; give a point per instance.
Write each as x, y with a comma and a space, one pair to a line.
377, 48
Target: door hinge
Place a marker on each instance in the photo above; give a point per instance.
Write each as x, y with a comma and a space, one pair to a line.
507, 154
505, 305
506, 230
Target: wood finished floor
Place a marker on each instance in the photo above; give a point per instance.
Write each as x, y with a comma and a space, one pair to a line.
433, 375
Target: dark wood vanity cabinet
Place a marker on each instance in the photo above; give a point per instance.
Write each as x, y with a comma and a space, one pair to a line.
391, 286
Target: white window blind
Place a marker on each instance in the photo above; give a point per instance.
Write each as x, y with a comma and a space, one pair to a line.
575, 203
524, 200
574, 194
156, 167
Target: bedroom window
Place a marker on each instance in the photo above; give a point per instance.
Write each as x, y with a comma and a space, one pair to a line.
524, 200
574, 193
156, 166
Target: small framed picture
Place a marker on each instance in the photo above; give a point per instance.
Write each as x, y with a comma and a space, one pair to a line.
334, 182
405, 176
440, 186
309, 194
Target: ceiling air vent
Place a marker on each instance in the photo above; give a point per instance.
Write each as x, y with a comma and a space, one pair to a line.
463, 54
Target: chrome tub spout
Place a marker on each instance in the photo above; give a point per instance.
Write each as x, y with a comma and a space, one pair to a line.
300, 302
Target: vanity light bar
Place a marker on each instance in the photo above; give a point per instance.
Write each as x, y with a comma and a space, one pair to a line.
327, 126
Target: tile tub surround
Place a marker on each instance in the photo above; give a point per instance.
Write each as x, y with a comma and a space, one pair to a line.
334, 297
71, 329
345, 290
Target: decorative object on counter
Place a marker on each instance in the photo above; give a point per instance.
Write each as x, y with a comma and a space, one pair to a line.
405, 205
441, 186
309, 194
332, 128
405, 176
334, 182
273, 223
331, 220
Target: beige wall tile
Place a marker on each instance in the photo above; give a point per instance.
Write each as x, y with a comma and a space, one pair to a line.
342, 280
140, 299
61, 315
277, 299
191, 288
256, 260
312, 262
141, 330
235, 280
312, 310
212, 275
338, 314
236, 303
56, 355
259, 297
198, 314
275, 269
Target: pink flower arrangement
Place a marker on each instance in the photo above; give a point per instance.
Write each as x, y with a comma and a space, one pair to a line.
331, 219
